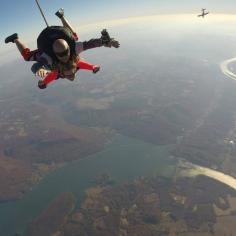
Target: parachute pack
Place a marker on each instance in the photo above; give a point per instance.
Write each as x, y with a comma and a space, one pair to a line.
50, 34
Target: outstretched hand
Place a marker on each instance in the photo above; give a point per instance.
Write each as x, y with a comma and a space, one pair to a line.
42, 73
112, 43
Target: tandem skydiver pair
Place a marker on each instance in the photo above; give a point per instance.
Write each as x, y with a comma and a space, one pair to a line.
57, 55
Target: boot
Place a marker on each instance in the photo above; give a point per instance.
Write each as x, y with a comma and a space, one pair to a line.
96, 69
41, 84
11, 38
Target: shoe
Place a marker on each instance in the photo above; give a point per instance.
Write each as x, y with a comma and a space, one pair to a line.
11, 38
96, 69
41, 84
60, 13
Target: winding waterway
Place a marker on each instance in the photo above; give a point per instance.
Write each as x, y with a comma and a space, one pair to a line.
124, 160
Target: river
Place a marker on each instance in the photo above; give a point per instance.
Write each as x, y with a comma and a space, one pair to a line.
124, 160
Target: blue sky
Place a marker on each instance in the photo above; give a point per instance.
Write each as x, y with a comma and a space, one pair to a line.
24, 18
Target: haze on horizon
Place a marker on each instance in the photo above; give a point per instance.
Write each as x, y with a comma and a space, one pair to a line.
24, 18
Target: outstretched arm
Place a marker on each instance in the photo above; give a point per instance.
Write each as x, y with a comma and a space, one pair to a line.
105, 40
92, 43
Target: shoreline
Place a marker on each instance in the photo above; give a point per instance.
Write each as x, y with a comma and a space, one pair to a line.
188, 169
225, 70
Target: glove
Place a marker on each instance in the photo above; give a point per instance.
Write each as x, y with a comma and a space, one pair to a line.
41, 84
105, 36
108, 41
112, 43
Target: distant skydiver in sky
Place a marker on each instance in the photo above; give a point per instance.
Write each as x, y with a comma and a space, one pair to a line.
203, 13
58, 51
